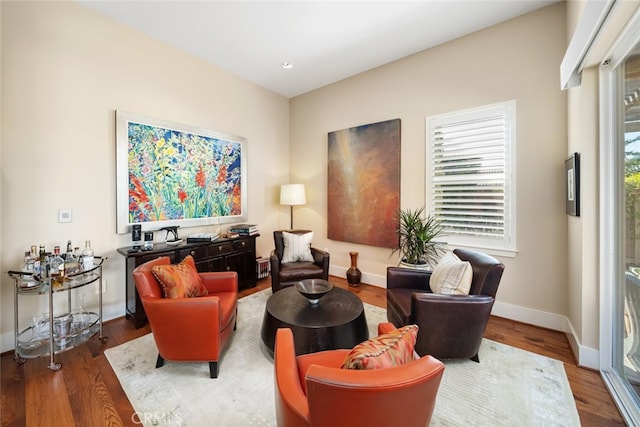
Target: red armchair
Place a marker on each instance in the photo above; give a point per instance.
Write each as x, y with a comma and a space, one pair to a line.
311, 389
190, 329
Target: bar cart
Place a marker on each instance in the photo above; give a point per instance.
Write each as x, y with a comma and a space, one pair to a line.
62, 332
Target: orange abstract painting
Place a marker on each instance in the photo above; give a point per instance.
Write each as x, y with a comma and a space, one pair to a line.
364, 184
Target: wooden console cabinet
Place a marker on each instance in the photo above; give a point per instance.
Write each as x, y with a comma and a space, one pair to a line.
222, 255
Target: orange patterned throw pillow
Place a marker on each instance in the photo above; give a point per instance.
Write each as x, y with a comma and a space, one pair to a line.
384, 351
180, 280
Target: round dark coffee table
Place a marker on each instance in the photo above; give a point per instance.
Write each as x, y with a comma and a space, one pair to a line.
337, 321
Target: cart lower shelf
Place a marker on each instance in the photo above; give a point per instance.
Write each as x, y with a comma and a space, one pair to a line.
35, 341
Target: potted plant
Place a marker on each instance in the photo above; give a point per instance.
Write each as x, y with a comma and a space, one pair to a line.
417, 232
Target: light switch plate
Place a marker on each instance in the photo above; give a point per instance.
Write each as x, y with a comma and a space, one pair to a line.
64, 215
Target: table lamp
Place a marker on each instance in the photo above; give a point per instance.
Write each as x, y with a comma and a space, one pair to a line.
292, 195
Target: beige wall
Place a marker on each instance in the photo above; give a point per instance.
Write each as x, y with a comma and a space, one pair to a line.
584, 286
519, 60
65, 70
583, 231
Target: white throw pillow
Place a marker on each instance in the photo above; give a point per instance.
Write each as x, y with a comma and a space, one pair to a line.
451, 276
297, 247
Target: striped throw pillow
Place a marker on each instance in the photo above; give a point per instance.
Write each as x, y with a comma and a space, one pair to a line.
384, 351
297, 247
180, 280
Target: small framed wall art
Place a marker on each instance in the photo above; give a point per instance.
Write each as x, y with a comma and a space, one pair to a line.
572, 173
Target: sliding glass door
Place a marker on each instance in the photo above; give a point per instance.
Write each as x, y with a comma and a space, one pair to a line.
629, 368
620, 222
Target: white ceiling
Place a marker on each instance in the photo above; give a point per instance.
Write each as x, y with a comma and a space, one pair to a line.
326, 41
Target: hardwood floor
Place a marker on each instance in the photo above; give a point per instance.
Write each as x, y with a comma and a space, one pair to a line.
86, 392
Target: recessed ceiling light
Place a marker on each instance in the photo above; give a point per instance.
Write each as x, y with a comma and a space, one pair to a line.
287, 65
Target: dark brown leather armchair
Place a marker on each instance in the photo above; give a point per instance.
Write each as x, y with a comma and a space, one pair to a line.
451, 326
190, 329
286, 274
312, 389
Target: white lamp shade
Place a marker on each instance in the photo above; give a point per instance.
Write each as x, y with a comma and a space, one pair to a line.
292, 194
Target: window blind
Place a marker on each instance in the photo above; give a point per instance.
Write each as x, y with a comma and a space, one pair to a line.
468, 175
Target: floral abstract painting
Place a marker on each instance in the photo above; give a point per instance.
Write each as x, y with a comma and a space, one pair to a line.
364, 184
177, 176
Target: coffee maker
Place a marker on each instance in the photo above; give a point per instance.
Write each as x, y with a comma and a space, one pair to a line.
136, 236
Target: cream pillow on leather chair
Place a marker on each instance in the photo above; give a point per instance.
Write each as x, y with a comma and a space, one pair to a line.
297, 247
451, 276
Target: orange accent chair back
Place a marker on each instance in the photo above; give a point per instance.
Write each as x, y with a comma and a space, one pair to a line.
189, 329
312, 389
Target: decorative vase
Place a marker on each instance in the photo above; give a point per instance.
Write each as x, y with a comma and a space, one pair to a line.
353, 274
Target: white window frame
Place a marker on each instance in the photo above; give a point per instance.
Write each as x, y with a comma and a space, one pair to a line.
506, 244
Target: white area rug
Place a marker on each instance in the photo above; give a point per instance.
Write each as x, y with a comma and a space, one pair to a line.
509, 387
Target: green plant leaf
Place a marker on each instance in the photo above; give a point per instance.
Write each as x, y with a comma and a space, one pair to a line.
417, 234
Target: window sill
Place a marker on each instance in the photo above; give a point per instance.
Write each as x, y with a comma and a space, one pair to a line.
500, 252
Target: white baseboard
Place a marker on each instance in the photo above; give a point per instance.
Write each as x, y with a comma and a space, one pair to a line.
369, 279
532, 316
112, 311
586, 356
